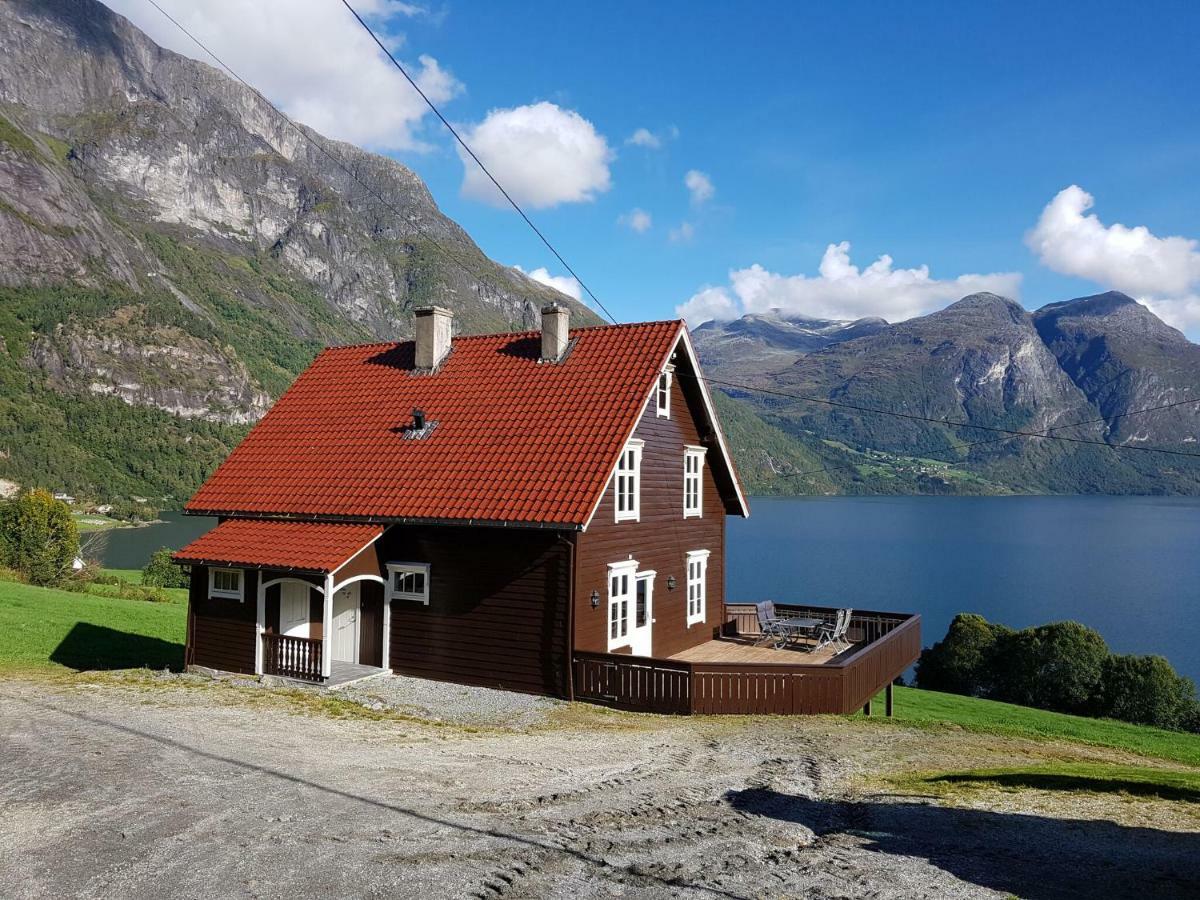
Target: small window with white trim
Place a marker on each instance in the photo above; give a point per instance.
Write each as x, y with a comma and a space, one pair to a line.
697, 585
620, 600
662, 395
693, 482
225, 583
408, 581
627, 481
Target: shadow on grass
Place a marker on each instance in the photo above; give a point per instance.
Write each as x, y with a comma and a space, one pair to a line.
1031, 856
92, 647
1051, 781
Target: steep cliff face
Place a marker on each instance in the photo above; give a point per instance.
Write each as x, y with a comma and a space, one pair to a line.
169, 242
1124, 358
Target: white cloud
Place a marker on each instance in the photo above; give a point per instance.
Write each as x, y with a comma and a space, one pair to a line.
699, 185
636, 219
681, 235
543, 155
840, 291
312, 59
1162, 272
564, 283
644, 137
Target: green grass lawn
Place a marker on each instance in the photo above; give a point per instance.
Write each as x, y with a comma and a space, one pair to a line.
933, 709
45, 629
1099, 778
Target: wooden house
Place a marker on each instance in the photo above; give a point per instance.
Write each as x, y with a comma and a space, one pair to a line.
541, 511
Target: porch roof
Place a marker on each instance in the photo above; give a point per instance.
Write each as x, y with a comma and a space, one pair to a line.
264, 543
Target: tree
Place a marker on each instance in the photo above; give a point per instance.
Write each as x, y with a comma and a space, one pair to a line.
961, 663
1056, 666
160, 571
38, 537
1147, 691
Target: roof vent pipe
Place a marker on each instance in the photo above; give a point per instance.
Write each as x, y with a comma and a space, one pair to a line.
418, 419
433, 330
555, 331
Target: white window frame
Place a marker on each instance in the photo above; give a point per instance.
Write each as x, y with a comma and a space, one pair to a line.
697, 586
626, 569
227, 593
408, 568
693, 455
630, 475
662, 393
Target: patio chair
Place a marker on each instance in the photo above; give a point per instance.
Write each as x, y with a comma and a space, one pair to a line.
772, 628
834, 634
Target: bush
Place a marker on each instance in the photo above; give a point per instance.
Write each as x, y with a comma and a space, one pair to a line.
962, 663
38, 537
160, 571
1055, 666
1147, 691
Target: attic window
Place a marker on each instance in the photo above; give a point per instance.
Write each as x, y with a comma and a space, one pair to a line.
628, 482
662, 394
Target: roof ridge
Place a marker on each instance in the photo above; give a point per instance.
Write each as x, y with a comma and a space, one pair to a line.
499, 334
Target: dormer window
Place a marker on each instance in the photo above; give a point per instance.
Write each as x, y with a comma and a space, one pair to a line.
628, 482
662, 395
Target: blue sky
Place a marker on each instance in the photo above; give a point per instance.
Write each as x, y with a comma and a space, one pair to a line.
936, 133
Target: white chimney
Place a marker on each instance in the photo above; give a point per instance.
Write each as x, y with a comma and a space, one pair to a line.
555, 331
433, 326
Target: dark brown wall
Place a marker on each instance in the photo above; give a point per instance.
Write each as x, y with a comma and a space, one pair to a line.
497, 614
222, 632
659, 541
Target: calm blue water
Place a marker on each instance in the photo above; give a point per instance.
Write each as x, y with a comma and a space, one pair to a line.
1127, 566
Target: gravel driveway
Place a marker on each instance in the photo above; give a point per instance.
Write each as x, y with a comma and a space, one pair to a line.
128, 790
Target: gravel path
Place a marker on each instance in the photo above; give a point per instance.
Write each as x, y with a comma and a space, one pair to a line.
181, 789
440, 701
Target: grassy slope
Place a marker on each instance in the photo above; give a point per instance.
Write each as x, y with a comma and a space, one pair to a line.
933, 709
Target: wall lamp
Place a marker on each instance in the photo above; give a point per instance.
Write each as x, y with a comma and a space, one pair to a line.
671, 582
595, 598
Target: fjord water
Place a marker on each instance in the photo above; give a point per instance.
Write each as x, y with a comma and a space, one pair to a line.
1127, 566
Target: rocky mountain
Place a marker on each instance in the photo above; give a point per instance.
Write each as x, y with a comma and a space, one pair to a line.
173, 252
1075, 369
772, 341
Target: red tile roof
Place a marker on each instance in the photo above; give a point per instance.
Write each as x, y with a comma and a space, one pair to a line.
312, 546
516, 440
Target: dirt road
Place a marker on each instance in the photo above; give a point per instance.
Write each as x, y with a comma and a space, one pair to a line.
113, 790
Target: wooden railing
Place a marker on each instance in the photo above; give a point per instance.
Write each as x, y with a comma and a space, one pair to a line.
885, 645
292, 657
865, 626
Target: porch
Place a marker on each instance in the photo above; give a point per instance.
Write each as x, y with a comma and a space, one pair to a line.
733, 673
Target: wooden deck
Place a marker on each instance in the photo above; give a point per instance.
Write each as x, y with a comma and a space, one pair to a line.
744, 650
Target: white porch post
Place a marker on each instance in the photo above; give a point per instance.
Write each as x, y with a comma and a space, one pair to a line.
387, 630
327, 630
262, 624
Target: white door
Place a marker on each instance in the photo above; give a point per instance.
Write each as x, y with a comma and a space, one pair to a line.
642, 614
293, 609
345, 624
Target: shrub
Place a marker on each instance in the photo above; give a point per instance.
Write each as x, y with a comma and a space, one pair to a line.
160, 571
961, 663
1054, 666
38, 537
1147, 691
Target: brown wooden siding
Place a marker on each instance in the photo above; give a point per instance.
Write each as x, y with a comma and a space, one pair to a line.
222, 632
660, 540
497, 613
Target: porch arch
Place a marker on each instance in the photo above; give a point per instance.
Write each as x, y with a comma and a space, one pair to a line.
262, 610
386, 638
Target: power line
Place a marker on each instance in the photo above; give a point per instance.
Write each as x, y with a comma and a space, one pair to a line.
478, 161
956, 424
334, 158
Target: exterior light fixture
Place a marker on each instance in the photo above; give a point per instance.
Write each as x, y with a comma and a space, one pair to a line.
595, 598
671, 582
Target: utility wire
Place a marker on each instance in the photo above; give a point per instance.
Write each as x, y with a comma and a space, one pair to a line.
334, 158
953, 423
437, 112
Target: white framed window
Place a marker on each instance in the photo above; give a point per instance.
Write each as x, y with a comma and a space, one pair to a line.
662, 394
693, 482
628, 482
621, 577
226, 583
408, 581
697, 585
